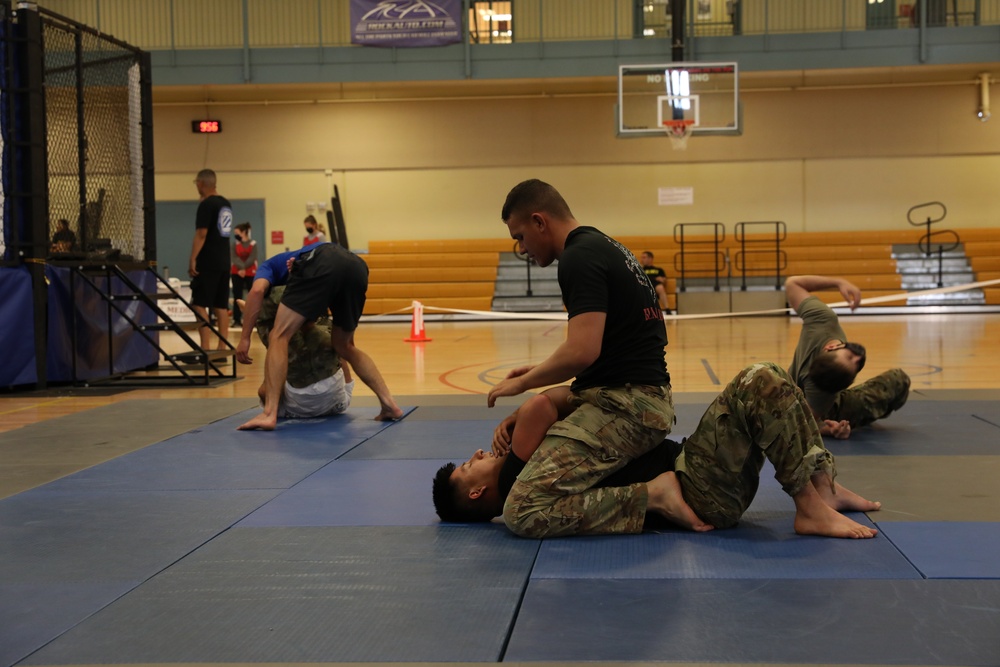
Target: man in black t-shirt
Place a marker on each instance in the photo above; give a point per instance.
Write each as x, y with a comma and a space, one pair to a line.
710, 479
209, 266
657, 276
614, 349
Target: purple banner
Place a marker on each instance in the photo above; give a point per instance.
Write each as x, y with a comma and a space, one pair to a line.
406, 22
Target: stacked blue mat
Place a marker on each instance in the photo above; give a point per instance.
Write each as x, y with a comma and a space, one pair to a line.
318, 543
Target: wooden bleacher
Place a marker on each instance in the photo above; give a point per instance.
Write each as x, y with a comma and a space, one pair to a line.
446, 273
460, 273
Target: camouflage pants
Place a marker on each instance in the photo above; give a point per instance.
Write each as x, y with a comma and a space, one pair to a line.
311, 356
871, 400
761, 413
553, 496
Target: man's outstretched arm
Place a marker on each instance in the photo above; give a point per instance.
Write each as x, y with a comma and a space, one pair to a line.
799, 288
584, 336
251, 310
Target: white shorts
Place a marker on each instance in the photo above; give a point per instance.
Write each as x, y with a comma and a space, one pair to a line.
330, 396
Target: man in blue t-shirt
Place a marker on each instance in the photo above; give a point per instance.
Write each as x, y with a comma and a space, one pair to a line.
614, 349
318, 278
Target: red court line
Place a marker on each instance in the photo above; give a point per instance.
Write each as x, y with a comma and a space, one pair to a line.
443, 378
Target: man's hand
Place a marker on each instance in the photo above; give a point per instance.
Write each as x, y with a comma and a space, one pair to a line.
502, 435
243, 351
288, 264
509, 386
840, 430
192, 271
851, 294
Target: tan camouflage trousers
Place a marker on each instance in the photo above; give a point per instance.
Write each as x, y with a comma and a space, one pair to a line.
760, 414
553, 496
311, 356
874, 399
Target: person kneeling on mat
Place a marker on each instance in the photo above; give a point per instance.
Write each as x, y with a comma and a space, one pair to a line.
706, 482
319, 383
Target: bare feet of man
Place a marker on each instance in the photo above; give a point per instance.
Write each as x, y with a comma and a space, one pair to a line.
665, 498
813, 516
389, 413
842, 499
259, 423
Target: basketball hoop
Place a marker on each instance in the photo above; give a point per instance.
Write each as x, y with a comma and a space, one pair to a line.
678, 131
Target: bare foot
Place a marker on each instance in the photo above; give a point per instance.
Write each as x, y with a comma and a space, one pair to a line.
843, 499
665, 498
259, 423
389, 413
824, 520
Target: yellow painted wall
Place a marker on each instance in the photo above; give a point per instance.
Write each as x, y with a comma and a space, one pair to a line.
818, 160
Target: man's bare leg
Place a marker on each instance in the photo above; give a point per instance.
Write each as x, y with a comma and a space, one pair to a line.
666, 499
813, 516
286, 323
204, 333
365, 368
222, 323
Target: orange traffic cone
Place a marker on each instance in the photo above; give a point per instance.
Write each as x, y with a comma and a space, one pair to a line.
417, 333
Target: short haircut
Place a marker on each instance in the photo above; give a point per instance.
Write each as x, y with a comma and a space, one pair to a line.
451, 505
534, 195
206, 176
830, 375
651, 255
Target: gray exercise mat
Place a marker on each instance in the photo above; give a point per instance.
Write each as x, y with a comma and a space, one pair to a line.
926, 488
290, 595
859, 622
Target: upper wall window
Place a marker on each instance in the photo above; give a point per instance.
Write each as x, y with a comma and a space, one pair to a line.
490, 22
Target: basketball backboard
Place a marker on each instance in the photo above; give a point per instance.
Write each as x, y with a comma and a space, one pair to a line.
706, 93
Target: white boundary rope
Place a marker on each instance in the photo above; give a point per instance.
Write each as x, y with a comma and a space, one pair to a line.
557, 317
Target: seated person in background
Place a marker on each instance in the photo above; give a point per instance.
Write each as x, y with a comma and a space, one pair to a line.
63, 240
658, 277
318, 382
825, 363
706, 482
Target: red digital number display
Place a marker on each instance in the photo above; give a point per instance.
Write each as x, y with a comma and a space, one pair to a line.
206, 126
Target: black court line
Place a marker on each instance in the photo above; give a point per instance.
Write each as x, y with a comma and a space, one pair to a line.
711, 374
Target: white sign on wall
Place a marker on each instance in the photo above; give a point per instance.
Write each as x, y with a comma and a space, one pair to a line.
676, 196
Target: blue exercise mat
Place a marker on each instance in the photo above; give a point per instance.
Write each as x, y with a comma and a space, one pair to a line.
949, 550
356, 493
763, 546
843, 621
65, 555
217, 456
298, 595
428, 440
925, 428
33, 614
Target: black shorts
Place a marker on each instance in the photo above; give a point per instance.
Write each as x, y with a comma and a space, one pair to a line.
210, 289
328, 277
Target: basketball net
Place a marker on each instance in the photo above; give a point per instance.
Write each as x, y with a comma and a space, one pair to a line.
678, 131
